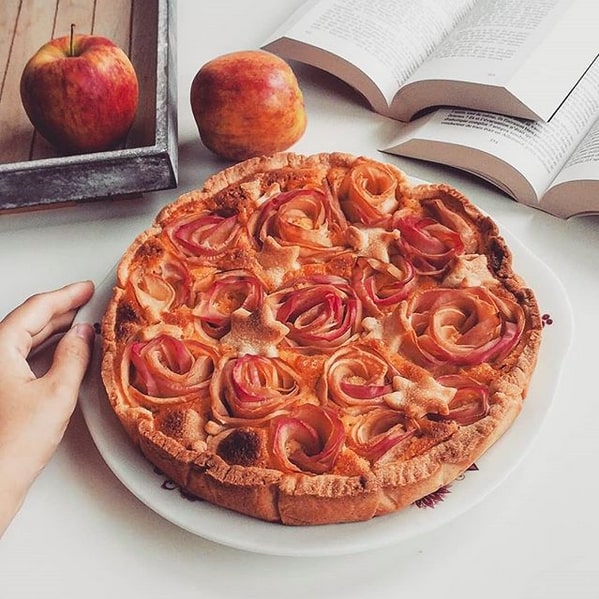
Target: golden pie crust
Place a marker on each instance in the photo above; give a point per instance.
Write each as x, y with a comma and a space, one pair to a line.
312, 339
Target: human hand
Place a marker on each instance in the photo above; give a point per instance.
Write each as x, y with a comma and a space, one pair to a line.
34, 412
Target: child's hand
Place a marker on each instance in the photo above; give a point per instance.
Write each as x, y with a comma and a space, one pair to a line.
34, 412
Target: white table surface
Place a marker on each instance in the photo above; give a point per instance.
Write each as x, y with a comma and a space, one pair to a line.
81, 533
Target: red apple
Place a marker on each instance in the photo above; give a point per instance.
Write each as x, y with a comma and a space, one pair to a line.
80, 92
247, 103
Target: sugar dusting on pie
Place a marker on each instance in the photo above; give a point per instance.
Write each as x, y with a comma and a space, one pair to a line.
311, 339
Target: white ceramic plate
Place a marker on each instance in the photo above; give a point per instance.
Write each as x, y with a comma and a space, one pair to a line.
235, 530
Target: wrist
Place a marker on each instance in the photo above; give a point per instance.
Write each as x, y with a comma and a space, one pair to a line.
15, 481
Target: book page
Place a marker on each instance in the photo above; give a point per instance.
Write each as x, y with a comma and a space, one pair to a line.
576, 188
535, 149
537, 50
385, 39
584, 162
493, 37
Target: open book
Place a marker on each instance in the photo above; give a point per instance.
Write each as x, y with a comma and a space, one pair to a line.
553, 166
515, 57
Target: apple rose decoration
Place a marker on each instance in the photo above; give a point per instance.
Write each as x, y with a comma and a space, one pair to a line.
463, 327
382, 284
437, 210
204, 236
470, 402
226, 292
369, 192
320, 311
252, 387
357, 379
308, 439
308, 218
429, 245
164, 369
378, 431
161, 289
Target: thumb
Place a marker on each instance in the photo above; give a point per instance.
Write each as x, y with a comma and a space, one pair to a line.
71, 358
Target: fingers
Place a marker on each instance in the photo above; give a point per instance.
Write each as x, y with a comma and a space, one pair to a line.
71, 358
57, 324
43, 314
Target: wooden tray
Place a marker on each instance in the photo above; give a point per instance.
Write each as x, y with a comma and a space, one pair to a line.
32, 174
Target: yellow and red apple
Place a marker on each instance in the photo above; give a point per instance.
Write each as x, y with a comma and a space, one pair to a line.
80, 92
247, 103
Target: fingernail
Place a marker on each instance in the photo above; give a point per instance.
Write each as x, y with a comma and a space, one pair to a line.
85, 331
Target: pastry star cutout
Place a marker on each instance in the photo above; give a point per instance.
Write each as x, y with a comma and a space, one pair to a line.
278, 259
374, 241
420, 397
255, 332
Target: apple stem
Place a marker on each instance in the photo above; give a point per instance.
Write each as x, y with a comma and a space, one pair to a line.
71, 49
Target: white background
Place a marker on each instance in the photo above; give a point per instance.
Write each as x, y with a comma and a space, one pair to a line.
81, 533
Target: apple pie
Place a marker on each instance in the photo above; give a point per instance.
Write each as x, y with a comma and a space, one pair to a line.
314, 339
